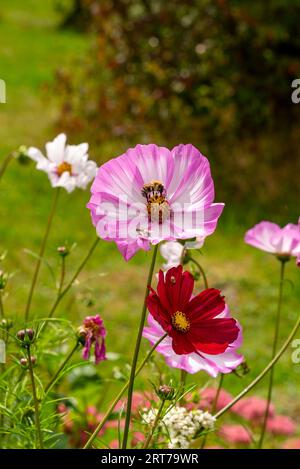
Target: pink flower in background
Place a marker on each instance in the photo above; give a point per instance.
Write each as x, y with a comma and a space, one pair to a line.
235, 434
114, 444
208, 397
291, 443
281, 425
93, 332
67, 166
139, 400
269, 237
194, 362
252, 409
150, 194
137, 438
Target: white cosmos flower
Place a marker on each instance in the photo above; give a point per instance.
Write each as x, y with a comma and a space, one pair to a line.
66, 165
172, 251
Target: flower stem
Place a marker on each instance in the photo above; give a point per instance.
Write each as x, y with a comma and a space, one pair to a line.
183, 376
5, 163
62, 275
156, 421
214, 405
41, 253
1, 306
39, 438
116, 400
216, 399
62, 293
264, 372
137, 349
274, 348
201, 270
60, 369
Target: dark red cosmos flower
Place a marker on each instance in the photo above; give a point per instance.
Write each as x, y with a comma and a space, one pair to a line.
191, 321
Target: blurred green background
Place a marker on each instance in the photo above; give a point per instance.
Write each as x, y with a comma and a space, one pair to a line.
214, 73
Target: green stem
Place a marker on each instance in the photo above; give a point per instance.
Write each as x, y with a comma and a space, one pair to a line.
60, 369
214, 405
216, 399
5, 163
69, 285
39, 438
1, 306
137, 349
62, 275
156, 421
274, 348
263, 373
116, 400
41, 253
201, 270
183, 376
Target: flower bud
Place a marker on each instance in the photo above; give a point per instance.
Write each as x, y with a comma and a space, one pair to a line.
21, 154
23, 362
33, 359
63, 251
6, 324
165, 392
26, 336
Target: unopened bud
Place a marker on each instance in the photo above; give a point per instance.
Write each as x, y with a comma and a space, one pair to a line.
23, 362
26, 336
165, 392
33, 360
6, 324
63, 251
21, 154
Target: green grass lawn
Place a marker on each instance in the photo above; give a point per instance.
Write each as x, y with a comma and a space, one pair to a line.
31, 48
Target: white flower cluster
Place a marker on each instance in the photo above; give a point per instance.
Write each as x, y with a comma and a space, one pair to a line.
181, 425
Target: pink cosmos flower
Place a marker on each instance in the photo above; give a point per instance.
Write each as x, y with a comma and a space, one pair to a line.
194, 362
281, 425
269, 237
150, 194
67, 166
235, 434
252, 409
92, 332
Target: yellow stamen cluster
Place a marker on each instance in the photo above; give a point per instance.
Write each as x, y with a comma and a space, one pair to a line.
180, 322
158, 207
63, 168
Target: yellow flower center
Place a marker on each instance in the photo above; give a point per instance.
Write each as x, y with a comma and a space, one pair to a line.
63, 168
180, 322
158, 207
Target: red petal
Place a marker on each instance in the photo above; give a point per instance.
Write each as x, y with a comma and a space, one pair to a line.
181, 344
179, 287
212, 349
159, 313
207, 305
214, 331
162, 291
